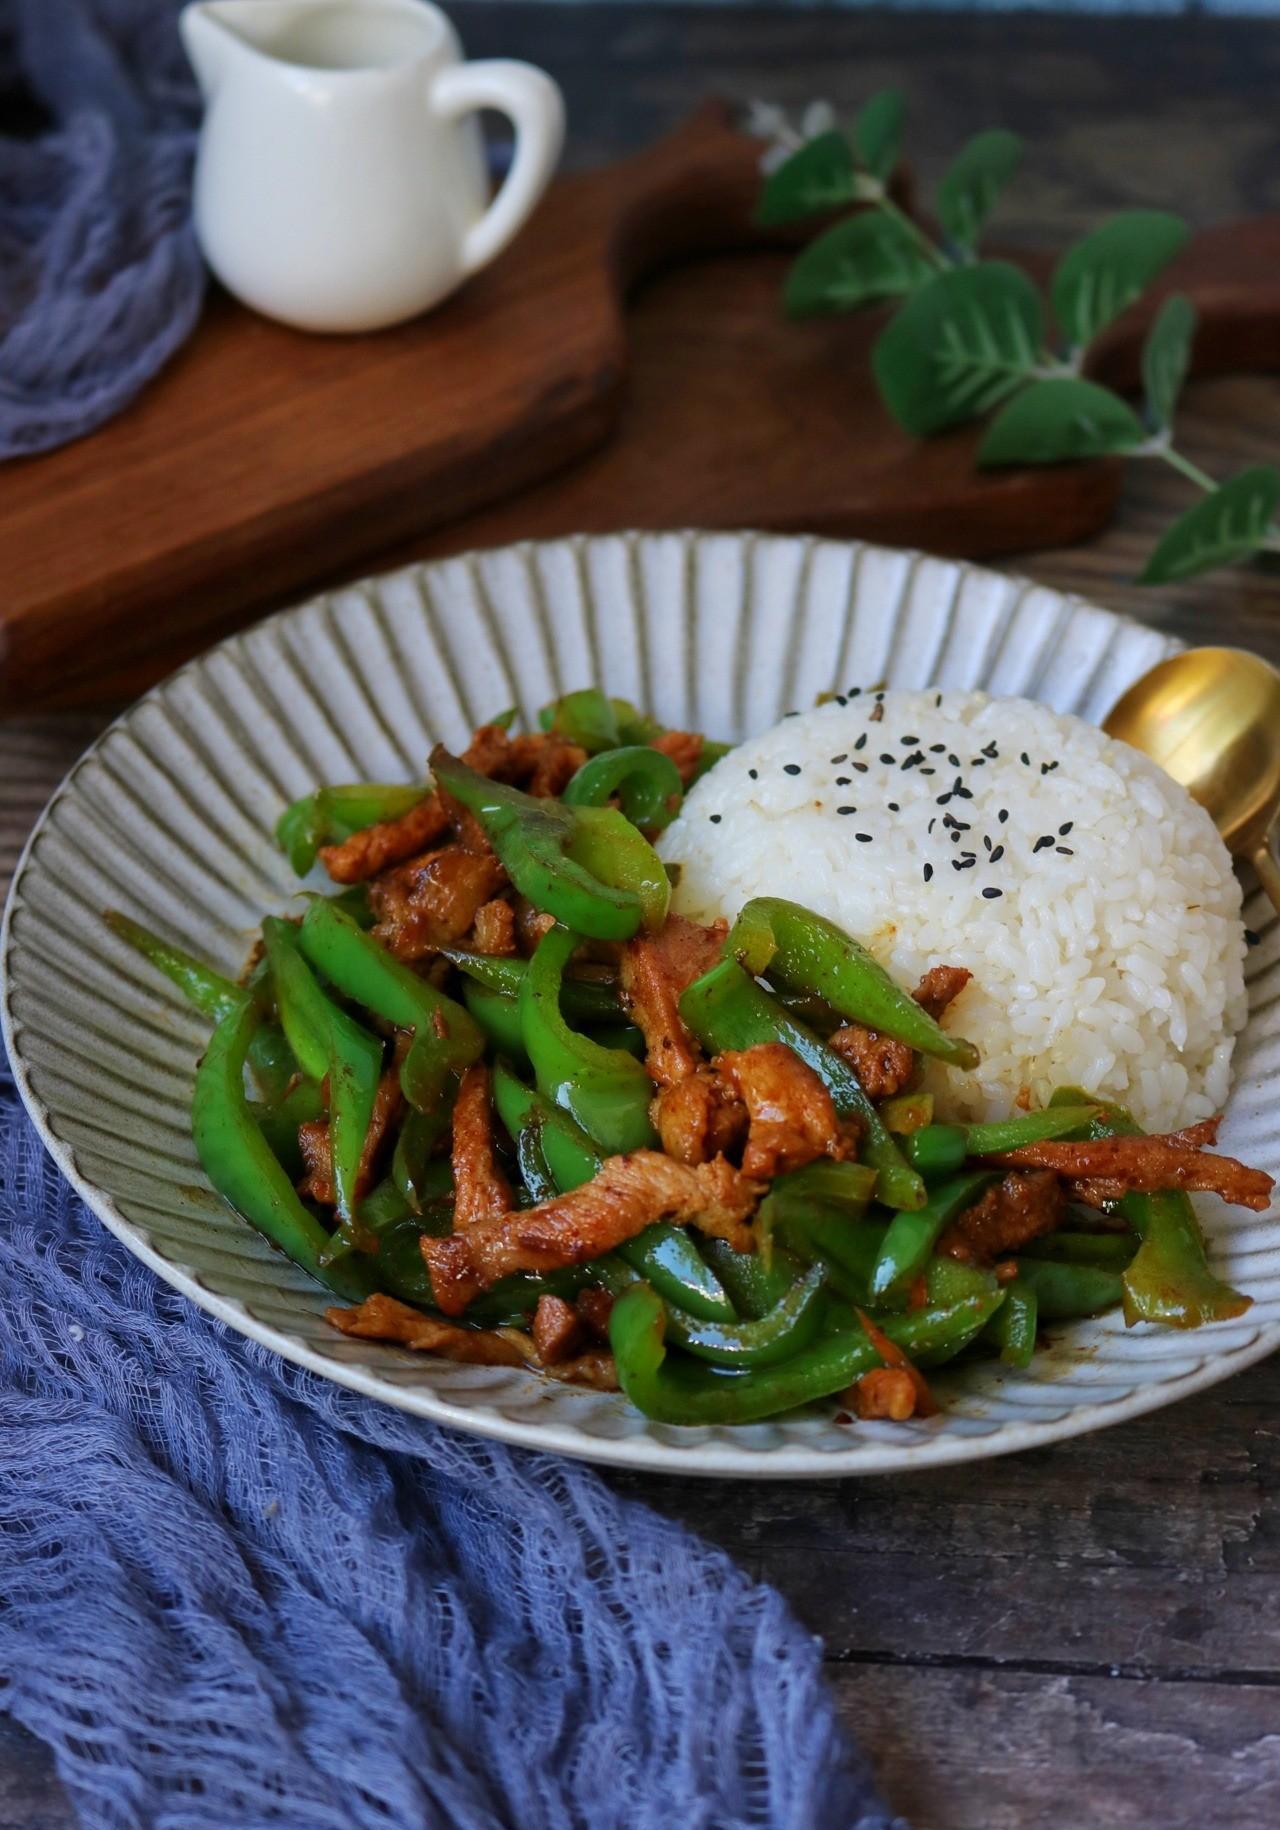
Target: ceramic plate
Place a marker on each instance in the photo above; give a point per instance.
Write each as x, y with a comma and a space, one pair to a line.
169, 817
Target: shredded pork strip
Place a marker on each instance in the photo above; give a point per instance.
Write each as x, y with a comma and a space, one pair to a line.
432, 901
883, 1065
628, 1194
494, 931
557, 1329
1011, 1213
790, 1115
698, 1118
1106, 1168
654, 971
685, 750
480, 1190
383, 1318
371, 851
316, 1144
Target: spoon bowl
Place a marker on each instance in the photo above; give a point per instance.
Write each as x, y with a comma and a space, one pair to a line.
1211, 718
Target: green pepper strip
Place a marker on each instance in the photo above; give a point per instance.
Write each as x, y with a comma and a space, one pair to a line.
646, 782
270, 1057
681, 1392
328, 1043
1109, 1251
417, 1172
239, 1162
1169, 1280
755, 1282
587, 866
1012, 1329
1065, 1290
603, 1089
665, 1254
498, 1016
365, 972
331, 814
940, 1150
726, 1009
907, 1113
911, 1237
812, 1232
279, 1121
585, 717
781, 940
789, 1326
585, 1000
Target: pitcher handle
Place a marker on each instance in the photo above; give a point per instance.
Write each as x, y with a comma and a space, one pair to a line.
536, 109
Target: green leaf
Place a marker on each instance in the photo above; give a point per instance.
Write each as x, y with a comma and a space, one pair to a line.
1103, 274
968, 192
1165, 357
870, 256
961, 342
1053, 421
1226, 526
877, 133
819, 177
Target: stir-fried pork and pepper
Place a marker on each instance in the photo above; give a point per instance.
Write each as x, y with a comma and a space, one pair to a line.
512, 1111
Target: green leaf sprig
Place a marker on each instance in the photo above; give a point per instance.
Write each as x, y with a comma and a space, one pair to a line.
969, 336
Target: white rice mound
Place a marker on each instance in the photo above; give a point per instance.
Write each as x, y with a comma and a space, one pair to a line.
1112, 956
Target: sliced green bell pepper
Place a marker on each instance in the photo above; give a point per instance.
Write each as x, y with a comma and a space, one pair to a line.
781, 940
605, 1090
240, 1164
646, 782
1012, 1329
912, 1236
1065, 1290
446, 1038
587, 866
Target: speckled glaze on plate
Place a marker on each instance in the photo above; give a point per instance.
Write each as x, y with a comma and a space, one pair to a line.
169, 817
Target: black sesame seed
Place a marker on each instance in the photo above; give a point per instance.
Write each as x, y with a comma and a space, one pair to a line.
928, 872
862, 742
1065, 828
944, 798
937, 700
932, 823
854, 691
714, 818
928, 771
1251, 939
1044, 768
1003, 815
1045, 839
863, 838
860, 767
879, 696
1052, 766
791, 768
967, 861
754, 774
991, 892
846, 809
997, 854
791, 714
1026, 759
986, 842
955, 838
1065, 850
989, 749
909, 741
841, 700
953, 759
843, 757
894, 807
936, 749
890, 762
842, 781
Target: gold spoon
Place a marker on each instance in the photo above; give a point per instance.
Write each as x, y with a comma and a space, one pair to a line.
1211, 718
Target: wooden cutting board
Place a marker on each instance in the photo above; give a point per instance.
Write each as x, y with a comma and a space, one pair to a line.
263, 461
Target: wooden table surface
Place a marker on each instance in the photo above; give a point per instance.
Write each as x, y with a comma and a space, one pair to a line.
1088, 1636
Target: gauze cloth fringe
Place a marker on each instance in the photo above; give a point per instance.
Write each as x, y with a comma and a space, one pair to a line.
233, 1594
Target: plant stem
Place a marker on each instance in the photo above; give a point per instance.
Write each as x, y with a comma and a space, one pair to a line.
928, 248
1184, 467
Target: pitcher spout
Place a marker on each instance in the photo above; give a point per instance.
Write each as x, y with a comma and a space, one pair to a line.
216, 34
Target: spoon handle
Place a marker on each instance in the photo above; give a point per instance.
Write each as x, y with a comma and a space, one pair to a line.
1268, 873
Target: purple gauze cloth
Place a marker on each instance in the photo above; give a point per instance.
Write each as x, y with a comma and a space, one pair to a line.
100, 276
232, 1594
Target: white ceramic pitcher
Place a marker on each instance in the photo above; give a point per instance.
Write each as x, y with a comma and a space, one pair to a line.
339, 185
